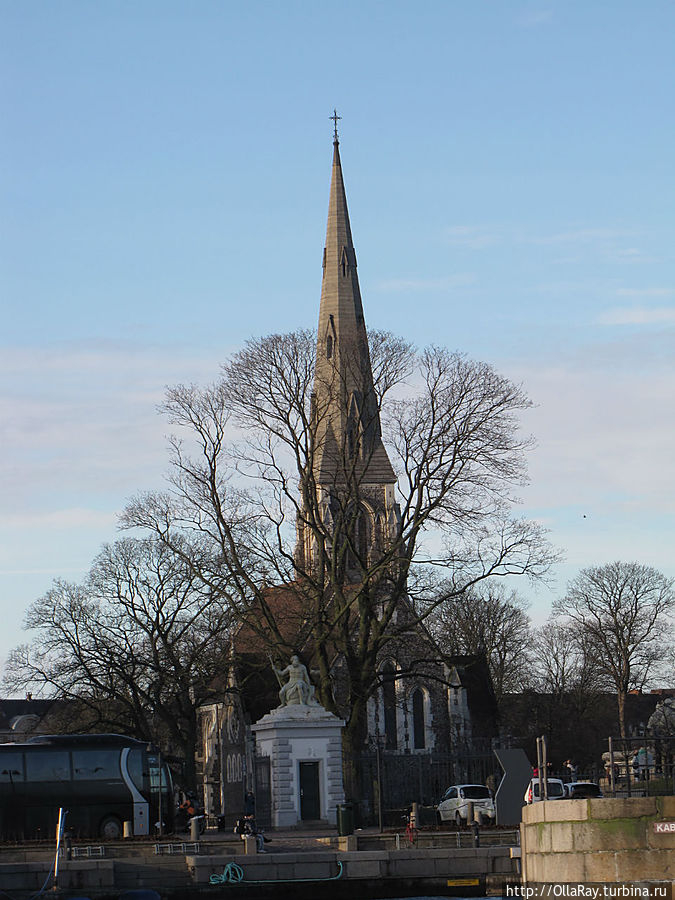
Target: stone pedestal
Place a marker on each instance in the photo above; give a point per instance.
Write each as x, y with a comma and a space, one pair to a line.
293, 736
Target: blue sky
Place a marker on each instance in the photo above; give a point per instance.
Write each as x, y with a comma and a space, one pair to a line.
164, 172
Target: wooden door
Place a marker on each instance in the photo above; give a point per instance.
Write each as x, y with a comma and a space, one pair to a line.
310, 794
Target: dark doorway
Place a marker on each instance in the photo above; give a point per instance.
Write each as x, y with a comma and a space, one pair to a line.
263, 792
310, 800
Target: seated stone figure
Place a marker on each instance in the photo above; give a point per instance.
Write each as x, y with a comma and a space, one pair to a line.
298, 690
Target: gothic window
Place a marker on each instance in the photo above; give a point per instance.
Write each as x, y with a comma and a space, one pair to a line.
419, 737
389, 703
359, 553
352, 428
351, 442
363, 535
329, 346
380, 531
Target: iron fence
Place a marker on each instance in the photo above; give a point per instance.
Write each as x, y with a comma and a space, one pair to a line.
639, 766
387, 784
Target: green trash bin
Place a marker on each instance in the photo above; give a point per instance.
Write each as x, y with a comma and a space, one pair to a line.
345, 819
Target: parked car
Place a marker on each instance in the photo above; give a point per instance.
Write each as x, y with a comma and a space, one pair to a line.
580, 790
555, 790
454, 805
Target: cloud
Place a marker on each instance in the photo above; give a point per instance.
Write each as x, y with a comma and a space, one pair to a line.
604, 442
14, 573
633, 255
578, 236
576, 242
602, 471
81, 421
646, 292
475, 237
77, 517
425, 284
535, 18
80, 434
638, 315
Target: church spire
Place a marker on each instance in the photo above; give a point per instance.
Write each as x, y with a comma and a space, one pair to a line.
344, 383
353, 477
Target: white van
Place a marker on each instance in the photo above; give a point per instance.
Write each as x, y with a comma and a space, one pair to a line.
554, 787
454, 804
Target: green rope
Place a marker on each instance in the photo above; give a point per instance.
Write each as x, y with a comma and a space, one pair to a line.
234, 874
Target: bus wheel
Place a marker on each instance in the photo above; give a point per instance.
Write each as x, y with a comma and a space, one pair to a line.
111, 828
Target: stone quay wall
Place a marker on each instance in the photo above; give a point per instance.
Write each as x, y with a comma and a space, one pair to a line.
604, 840
372, 865
366, 873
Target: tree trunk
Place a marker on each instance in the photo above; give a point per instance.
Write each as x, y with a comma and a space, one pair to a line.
353, 744
621, 702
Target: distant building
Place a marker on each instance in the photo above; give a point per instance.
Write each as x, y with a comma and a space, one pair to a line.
578, 726
21, 719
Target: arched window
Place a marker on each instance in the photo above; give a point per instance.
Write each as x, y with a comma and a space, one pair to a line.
363, 535
389, 703
352, 430
419, 736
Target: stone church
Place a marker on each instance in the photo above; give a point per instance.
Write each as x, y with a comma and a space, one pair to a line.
426, 702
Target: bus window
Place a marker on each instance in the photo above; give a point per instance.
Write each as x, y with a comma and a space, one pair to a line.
96, 765
11, 767
135, 765
48, 765
153, 769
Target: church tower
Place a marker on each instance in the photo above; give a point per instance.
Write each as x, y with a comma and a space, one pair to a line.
353, 477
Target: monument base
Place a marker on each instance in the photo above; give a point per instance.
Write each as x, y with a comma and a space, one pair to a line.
304, 744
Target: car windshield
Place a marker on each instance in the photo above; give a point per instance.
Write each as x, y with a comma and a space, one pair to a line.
475, 792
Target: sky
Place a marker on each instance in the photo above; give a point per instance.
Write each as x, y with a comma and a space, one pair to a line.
164, 175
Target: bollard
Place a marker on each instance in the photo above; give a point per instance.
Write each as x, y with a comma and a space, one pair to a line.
469, 812
127, 830
194, 828
475, 828
250, 844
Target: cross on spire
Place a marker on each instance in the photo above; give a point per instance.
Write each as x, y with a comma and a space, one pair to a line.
335, 118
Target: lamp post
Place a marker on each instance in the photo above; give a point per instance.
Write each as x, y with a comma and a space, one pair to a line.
378, 764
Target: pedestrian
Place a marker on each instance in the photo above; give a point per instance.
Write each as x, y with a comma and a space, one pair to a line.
572, 768
249, 804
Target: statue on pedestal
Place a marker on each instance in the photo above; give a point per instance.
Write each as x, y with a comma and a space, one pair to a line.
298, 690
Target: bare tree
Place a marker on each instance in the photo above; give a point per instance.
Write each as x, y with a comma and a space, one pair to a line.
564, 697
564, 661
622, 611
136, 647
491, 621
244, 485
